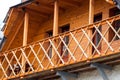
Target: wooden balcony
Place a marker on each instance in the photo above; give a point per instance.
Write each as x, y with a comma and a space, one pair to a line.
86, 43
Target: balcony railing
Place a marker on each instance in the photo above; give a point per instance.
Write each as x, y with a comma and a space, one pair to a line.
82, 44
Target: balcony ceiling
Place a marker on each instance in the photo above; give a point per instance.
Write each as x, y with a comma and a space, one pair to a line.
45, 8
39, 11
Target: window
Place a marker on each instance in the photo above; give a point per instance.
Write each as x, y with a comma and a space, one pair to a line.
116, 24
49, 34
66, 40
114, 11
97, 37
98, 17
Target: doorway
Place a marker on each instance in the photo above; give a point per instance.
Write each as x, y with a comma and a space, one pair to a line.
64, 52
97, 36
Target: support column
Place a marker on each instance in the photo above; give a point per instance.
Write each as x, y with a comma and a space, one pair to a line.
55, 28
25, 36
91, 18
91, 11
55, 23
25, 33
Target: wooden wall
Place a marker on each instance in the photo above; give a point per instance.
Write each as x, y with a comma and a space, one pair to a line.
76, 17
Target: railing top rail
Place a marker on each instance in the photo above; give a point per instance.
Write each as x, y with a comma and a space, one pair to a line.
57, 36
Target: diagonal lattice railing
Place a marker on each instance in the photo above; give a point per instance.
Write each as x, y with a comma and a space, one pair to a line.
88, 42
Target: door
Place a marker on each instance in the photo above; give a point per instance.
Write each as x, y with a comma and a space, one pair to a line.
97, 36
64, 51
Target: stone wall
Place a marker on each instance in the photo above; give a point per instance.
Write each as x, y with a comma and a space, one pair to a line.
94, 75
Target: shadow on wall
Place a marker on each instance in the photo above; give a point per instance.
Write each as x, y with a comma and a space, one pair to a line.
2, 40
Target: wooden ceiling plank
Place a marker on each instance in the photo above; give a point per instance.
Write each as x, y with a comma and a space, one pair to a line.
43, 6
16, 31
37, 13
9, 17
71, 3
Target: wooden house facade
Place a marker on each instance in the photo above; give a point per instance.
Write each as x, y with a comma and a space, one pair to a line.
46, 36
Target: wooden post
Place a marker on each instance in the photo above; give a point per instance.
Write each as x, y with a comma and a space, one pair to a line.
91, 11
25, 33
91, 18
55, 27
55, 23
25, 36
